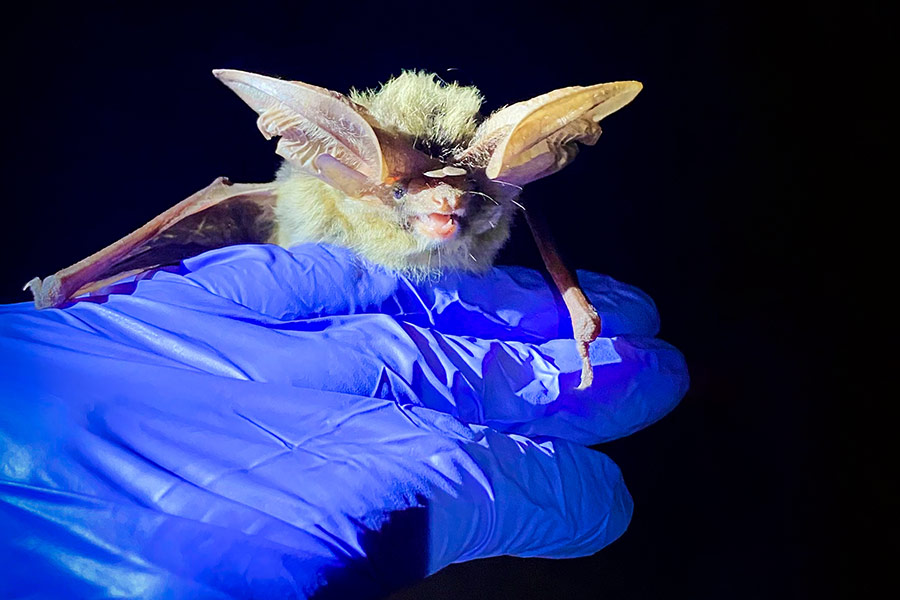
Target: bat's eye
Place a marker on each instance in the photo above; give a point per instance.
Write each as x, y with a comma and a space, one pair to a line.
399, 191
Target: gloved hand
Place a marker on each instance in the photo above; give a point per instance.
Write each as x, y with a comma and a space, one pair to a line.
273, 424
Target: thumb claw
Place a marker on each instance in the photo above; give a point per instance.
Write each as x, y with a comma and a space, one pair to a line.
34, 285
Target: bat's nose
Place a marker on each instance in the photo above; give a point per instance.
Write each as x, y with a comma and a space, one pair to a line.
446, 201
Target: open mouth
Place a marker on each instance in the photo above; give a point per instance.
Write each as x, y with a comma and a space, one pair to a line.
437, 226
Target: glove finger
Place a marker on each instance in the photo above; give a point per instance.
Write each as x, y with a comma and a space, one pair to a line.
314, 280
275, 284
517, 304
554, 500
309, 281
530, 389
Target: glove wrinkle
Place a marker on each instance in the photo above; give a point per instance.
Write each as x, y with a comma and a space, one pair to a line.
304, 424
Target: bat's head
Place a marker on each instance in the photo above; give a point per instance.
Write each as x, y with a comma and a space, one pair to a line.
410, 175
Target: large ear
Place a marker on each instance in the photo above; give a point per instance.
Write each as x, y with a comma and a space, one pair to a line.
313, 122
532, 139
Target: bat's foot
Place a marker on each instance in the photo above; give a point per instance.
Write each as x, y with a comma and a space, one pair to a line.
586, 326
46, 291
587, 370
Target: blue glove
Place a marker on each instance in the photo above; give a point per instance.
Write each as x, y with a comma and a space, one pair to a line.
276, 424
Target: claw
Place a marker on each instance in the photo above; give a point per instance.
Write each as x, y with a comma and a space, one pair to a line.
586, 323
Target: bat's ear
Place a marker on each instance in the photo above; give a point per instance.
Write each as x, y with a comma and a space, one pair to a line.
313, 123
535, 138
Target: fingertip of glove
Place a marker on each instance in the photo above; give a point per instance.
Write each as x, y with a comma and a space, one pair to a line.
624, 308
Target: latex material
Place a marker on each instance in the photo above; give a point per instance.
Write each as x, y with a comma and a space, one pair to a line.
273, 424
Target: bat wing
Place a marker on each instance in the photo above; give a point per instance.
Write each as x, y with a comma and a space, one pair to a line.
219, 215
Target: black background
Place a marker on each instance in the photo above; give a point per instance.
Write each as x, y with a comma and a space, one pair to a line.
733, 190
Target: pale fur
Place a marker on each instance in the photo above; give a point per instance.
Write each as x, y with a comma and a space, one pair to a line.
308, 210
420, 108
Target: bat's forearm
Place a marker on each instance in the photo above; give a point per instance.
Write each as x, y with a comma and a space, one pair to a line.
585, 320
141, 249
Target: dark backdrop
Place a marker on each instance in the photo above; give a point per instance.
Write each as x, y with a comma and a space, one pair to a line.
713, 192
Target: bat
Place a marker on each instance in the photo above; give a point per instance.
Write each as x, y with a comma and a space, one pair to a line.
409, 176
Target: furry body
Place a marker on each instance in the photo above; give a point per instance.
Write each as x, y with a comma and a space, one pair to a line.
438, 119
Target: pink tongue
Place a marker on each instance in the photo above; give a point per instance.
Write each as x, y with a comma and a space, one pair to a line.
438, 225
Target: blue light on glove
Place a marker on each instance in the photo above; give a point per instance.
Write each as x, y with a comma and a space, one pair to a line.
270, 423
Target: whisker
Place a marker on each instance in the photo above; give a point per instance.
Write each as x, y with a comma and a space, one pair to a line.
492, 224
517, 204
518, 187
485, 195
473, 258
